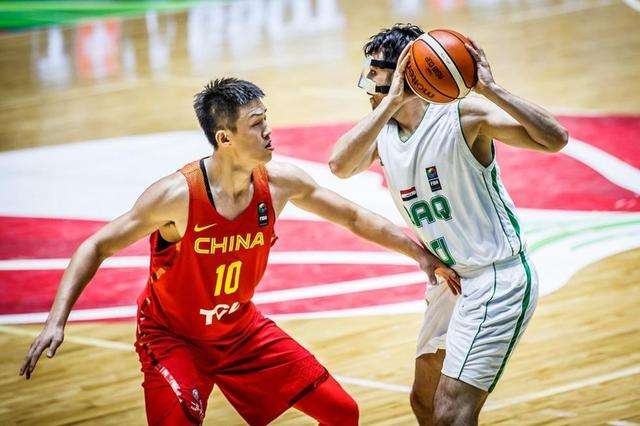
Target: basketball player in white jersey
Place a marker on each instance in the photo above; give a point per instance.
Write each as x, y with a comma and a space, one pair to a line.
440, 167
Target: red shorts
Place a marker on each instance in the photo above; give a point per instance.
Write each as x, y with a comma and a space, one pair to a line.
262, 373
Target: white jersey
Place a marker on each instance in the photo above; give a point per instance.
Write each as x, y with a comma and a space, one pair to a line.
455, 205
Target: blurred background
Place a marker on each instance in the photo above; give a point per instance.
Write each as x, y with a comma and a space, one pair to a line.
95, 104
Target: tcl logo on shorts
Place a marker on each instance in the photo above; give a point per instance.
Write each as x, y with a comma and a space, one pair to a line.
219, 311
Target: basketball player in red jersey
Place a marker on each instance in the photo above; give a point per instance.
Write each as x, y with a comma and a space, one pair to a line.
212, 226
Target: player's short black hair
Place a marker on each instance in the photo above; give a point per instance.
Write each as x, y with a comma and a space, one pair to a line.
391, 41
218, 103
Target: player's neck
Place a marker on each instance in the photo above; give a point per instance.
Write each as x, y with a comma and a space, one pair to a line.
410, 115
228, 175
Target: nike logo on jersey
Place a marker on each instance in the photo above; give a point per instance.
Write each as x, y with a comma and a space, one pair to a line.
202, 228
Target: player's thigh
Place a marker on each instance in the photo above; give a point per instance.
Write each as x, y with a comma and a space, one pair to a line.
427, 375
175, 390
267, 373
433, 330
488, 321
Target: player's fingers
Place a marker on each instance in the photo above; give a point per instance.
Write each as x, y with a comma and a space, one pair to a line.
473, 52
478, 49
403, 59
452, 288
432, 278
405, 52
53, 347
403, 64
456, 285
27, 358
23, 368
34, 359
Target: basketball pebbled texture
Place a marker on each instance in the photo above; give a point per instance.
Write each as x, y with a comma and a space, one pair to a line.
440, 69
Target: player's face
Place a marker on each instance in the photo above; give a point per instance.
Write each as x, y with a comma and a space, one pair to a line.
381, 77
252, 137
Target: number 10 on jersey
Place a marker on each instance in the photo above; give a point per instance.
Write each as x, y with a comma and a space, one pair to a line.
230, 276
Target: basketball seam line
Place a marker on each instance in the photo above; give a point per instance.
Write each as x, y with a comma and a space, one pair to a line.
448, 70
472, 59
458, 80
427, 80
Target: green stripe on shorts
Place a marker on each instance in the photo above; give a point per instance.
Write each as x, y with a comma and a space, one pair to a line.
486, 308
525, 305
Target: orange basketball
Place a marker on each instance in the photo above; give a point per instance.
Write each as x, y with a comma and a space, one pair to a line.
440, 68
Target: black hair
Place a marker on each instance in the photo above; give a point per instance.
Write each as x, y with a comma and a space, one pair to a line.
218, 103
391, 41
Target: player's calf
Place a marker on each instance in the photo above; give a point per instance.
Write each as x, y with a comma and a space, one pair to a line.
425, 383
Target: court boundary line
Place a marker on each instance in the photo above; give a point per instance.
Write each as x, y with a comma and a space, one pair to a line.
633, 4
373, 384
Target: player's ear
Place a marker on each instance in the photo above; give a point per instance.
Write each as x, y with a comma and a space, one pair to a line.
222, 137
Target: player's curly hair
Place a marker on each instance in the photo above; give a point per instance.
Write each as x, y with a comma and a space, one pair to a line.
391, 41
218, 103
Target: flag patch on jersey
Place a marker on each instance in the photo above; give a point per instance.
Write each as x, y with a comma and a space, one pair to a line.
408, 194
434, 181
263, 214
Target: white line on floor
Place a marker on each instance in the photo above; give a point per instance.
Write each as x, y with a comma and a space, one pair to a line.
635, 5
609, 166
373, 384
490, 405
531, 396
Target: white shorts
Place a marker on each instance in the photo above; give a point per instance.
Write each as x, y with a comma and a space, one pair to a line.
480, 328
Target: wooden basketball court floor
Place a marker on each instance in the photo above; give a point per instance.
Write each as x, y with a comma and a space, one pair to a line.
579, 361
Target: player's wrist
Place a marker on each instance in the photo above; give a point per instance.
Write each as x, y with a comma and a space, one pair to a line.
490, 90
392, 102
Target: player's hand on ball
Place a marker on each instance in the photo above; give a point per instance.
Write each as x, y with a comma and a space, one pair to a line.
397, 93
485, 77
433, 267
50, 338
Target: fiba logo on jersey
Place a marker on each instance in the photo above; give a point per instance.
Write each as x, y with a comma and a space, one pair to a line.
263, 216
434, 180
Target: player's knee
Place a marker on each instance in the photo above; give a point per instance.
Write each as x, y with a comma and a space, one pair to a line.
346, 411
448, 410
422, 406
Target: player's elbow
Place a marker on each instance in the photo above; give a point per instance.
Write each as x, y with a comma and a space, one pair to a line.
338, 168
559, 140
93, 248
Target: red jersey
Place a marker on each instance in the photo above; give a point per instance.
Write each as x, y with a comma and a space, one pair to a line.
201, 286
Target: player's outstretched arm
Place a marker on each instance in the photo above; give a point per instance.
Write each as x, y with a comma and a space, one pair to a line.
356, 150
305, 193
509, 118
157, 205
